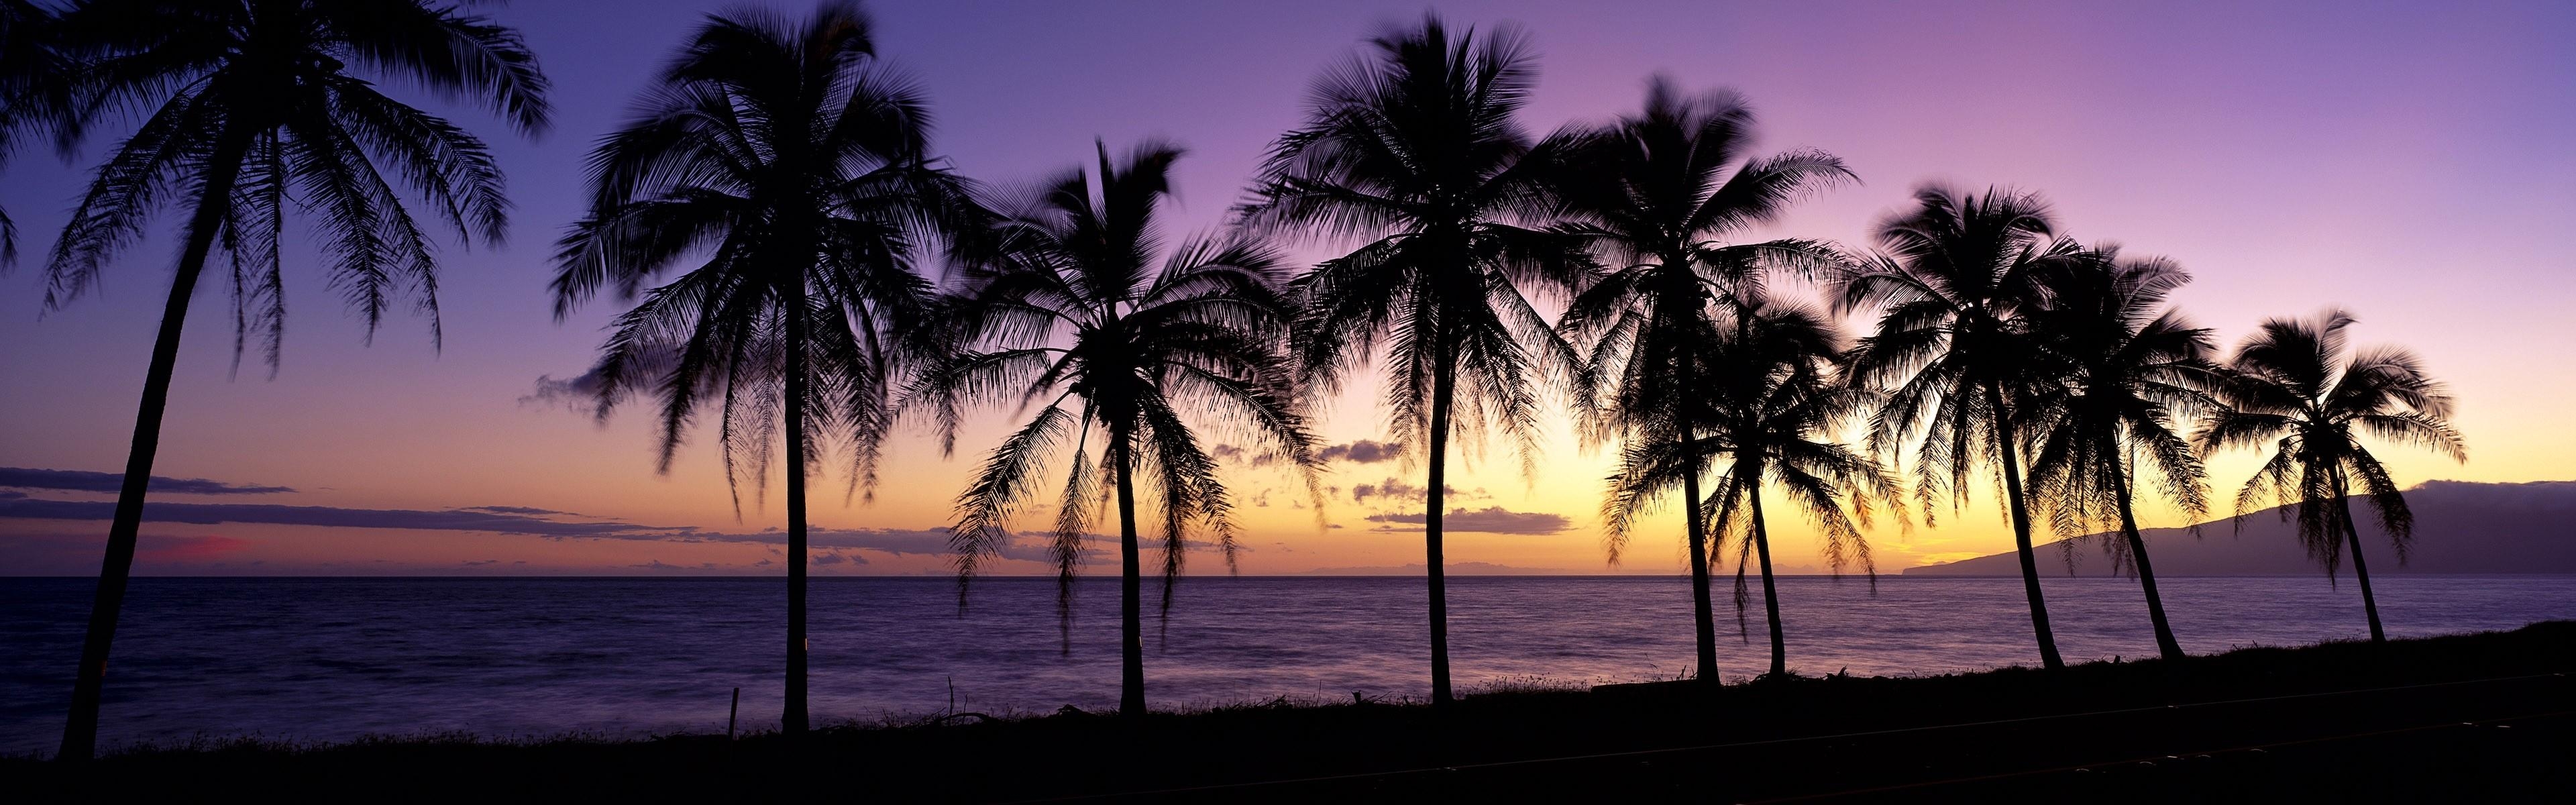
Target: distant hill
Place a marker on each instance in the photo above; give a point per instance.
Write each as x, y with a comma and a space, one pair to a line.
2460, 527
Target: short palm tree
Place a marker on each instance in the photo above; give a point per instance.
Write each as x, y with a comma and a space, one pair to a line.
1416, 153
2297, 388
2128, 369
786, 164
256, 107
1953, 277
1071, 306
1660, 194
1766, 416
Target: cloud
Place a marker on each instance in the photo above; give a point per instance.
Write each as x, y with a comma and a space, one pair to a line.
1393, 489
87, 481
579, 393
527, 521
336, 517
474, 563
1488, 520
658, 564
1363, 452
1238, 454
511, 510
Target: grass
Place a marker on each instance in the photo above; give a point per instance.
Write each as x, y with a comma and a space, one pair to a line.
2143, 704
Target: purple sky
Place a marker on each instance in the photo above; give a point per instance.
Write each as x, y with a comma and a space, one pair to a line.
2409, 161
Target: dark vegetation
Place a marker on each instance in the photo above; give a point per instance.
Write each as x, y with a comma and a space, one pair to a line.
2349, 718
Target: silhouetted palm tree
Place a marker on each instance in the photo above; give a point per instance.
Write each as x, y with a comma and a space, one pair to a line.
2298, 388
788, 158
1073, 307
2126, 366
1416, 152
1766, 417
32, 67
1658, 194
1952, 280
245, 100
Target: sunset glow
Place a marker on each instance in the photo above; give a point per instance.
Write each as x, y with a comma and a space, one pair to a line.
2408, 163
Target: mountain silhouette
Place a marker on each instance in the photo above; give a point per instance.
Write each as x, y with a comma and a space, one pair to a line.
2460, 527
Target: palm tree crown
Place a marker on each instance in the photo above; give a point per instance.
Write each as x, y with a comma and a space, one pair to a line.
263, 92
791, 168
32, 69
1415, 152
2297, 388
1072, 305
1658, 195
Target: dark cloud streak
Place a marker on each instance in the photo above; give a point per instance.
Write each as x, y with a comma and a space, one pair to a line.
1488, 520
87, 481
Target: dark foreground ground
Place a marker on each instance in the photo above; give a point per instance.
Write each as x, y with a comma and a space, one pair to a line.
2485, 717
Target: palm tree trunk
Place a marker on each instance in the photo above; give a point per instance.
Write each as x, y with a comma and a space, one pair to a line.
1770, 593
2021, 530
80, 730
1131, 586
2360, 567
793, 721
2165, 643
1703, 615
1443, 381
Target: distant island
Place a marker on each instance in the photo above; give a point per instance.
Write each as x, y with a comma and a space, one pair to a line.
2460, 527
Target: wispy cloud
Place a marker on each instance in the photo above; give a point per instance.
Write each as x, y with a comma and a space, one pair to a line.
1363, 452
1488, 520
518, 520
336, 517
1394, 489
87, 481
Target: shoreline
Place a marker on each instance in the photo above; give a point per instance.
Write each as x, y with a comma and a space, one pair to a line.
2011, 727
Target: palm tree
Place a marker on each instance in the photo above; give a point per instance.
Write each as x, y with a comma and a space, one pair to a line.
1953, 278
31, 69
2127, 366
791, 167
1416, 153
253, 103
1658, 195
2298, 388
1767, 414
1073, 307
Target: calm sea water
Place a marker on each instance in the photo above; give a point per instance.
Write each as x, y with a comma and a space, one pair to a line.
337, 658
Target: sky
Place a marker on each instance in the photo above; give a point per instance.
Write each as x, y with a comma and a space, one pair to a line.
2406, 161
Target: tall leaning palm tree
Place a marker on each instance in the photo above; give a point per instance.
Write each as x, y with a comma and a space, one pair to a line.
790, 167
256, 107
1072, 306
1415, 152
2128, 369
1950, 283
2298, 388
1661, 195
1766, 418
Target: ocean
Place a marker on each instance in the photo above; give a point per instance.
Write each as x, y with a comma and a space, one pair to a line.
334, 659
